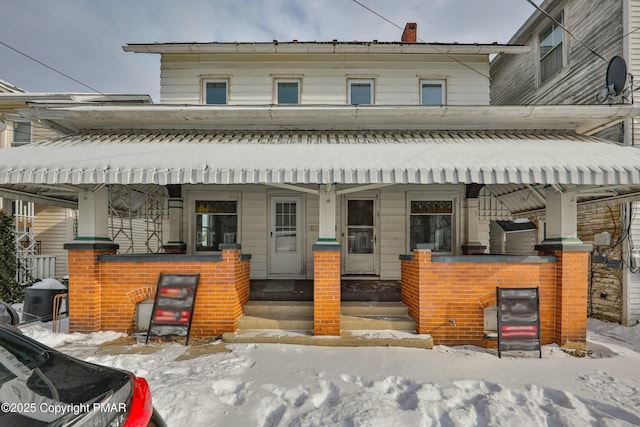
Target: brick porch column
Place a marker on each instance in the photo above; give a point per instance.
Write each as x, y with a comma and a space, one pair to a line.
326, 289
572, 292
572, 268
416, 285
85, 290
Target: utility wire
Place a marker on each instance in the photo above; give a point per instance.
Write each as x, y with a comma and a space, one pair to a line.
422, 41
51, 68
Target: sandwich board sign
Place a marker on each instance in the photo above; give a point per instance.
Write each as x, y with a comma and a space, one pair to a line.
518, 319
173, 306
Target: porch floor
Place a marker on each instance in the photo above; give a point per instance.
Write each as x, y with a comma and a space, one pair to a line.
302, 290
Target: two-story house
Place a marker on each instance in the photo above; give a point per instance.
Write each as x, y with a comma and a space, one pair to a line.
330, 162
572, 44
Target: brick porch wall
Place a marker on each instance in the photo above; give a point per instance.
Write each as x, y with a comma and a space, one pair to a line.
447, 299
105, 288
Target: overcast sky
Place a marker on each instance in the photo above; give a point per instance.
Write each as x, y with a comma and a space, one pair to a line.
84, 38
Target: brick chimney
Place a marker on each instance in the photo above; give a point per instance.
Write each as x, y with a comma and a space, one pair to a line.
410, 33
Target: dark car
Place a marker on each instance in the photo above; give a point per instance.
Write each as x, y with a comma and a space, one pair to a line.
40, 386
8, 316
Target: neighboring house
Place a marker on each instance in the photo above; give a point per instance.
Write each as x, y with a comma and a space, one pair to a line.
331, 161
41, 229
47, 218
570, 67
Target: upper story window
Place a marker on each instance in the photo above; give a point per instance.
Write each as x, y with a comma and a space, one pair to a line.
361, 91
215, 92
287, 91
432, 92
551, 49
21, 133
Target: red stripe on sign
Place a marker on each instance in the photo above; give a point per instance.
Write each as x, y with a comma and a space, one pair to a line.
519, 334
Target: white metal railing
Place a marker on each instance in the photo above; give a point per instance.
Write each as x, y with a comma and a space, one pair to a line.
43, 266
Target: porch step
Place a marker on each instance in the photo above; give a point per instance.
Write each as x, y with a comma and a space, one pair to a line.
287, 322
298, 316
366, 308
285, 315
266, 308
375, 316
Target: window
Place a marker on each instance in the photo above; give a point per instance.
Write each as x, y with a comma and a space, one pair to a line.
215, 92
216, 223
551, 50
21, 133
431, 221
432, 92
360, 92
287, 92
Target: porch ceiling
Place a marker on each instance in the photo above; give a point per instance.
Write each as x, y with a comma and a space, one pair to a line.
524, 199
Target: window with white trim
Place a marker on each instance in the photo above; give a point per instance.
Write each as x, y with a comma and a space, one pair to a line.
216, 223
432, 92
432, 221
21, 133
215, 92
361, 91
551, 49
287, 91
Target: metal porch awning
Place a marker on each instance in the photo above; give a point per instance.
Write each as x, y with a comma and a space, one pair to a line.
321, 157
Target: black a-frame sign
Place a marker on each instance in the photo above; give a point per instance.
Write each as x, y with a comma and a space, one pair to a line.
173, 306
518, 319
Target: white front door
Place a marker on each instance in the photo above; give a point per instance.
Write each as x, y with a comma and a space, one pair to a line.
360, 256
285, 236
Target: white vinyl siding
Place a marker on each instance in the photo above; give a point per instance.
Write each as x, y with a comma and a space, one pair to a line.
53, 228
392, 232
324, 82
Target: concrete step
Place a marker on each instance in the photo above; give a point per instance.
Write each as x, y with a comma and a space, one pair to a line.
268, 308
374, 309
298, 316
291, 322
396, 323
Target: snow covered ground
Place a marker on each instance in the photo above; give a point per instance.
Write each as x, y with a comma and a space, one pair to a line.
290, 385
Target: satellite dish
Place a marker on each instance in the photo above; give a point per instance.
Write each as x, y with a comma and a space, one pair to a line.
616, 75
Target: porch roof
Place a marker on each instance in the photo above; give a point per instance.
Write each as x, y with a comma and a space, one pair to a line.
321, 157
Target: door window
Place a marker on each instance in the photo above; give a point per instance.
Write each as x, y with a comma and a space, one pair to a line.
360, 232
286, 227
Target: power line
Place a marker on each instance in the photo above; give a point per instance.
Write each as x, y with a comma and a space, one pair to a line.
428, 44
50, 68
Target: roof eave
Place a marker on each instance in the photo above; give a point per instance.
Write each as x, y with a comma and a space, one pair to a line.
581, 119
326, 47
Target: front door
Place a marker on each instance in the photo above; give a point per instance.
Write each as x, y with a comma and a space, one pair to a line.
360, 257
285, 236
